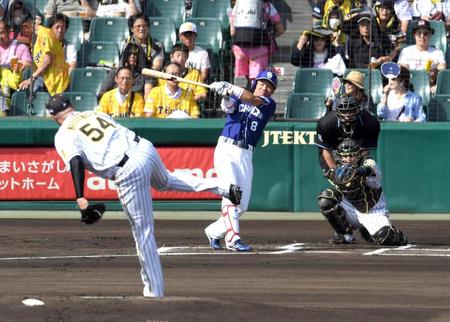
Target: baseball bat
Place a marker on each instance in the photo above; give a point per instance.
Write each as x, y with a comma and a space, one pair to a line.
157, 74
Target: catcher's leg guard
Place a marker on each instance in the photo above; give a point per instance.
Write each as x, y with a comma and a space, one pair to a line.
390, 236
336, 216
366, 235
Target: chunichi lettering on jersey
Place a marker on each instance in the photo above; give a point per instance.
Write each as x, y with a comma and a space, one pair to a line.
253, 110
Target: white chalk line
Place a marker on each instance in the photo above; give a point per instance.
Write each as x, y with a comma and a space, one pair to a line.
408, 250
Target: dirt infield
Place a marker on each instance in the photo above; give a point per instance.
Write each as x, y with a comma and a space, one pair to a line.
91, 273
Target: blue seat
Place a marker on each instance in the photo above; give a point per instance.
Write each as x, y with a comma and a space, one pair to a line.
305, 106
98, 53
163, 29
20, 105
82, 101
166, 8
74, 34
314, 81
439, 108
109, 29
209, 32
421, 85
87, 80
216, 9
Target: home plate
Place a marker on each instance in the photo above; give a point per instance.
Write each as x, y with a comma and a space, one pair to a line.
32, 302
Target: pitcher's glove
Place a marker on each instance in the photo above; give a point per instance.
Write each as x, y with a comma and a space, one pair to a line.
235, 194
343, 174
92, 213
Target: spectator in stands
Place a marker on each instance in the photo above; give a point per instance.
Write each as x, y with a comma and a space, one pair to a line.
9, 49
119, 8
388, 23
368, 49
333, 21
10, 79
198, 57
314, 48
427, 9
71, 8
354, 86
48, 53
422, 55
151, 51
179, 54
402, 10
129, 59
25, 34
399, 103
171, 101
446, 11
16, 15
323, 8
122, 101
254, 36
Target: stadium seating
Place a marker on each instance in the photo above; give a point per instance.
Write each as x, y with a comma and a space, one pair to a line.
305, 106
39, 5
82, 101
438, 39
313, 80
443, 82
209, 32
20, 104
74, 34
376, 83
87, 80
98, 53
109, 29
163, 29
439, 108
216, 9
166, 8
421, 85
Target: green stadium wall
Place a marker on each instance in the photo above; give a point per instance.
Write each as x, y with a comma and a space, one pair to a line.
413, 157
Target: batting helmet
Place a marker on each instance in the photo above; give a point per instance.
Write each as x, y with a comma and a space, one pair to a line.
349, 149
267, 75
348, 109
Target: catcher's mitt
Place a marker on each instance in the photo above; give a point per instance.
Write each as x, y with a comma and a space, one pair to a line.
343, 174
92, 213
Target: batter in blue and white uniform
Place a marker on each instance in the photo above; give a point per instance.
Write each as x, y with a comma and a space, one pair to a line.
247, 116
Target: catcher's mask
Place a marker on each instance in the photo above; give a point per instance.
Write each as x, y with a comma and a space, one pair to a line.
348, 109
349, 152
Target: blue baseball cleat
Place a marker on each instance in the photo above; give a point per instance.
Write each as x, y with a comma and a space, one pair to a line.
239, 246
214, 243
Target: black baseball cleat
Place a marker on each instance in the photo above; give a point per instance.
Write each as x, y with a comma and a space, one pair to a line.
342, 239
235, 194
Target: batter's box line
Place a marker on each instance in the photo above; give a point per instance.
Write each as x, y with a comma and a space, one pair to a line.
383, 251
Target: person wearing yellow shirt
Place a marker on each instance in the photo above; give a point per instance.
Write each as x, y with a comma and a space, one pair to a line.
122, 101
48, 56
180, 54
171, 101
10, 79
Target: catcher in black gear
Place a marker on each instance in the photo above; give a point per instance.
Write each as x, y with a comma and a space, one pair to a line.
357, 200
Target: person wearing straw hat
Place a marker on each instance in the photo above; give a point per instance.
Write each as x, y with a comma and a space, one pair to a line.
354, 86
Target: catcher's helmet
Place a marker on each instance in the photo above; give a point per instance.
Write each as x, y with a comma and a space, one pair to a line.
267, 75
348, 109
350, 150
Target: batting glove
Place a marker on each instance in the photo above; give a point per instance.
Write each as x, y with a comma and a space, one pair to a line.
227, 105
226, 89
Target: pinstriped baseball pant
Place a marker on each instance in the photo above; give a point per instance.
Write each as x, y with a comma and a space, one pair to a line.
143, 170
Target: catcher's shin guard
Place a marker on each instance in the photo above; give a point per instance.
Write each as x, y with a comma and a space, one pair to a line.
390, 236
336, 216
